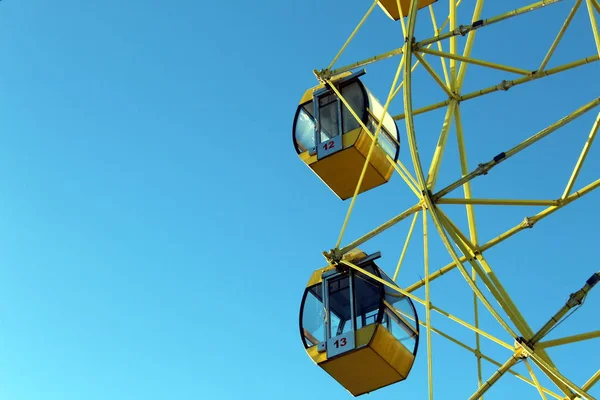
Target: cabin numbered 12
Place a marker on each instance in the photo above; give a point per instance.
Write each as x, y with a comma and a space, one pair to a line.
334, 144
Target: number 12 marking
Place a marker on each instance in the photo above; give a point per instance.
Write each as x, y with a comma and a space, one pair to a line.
328, 146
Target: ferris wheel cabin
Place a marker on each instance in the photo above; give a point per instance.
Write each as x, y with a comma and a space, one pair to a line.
390, 7
333, 143
362, 333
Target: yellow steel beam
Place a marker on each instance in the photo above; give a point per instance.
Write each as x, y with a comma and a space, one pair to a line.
360, 24
497, 202
488, 64
582, 157
575, 300
377, 58
440, 48
486, 274
559, 36
554, 373
472, 327
440, 146
527, 223
434, 75
461, 30
464, 29
505, 85
453, 72
568, 339
535, 380
496, 288
468, 47
383, 282
483, 169
469, 208
594, 24
427, 304
592, 381
351, 246
408, 51
514, 358
433, 307
490, 360
406, 242
596, 5
401, 13
370, 153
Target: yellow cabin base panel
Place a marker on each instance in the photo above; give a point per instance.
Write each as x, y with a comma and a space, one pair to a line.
383, 362
361, 371
341, 171
391, 7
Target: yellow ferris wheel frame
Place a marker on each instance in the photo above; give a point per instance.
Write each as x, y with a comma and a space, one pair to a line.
463, 248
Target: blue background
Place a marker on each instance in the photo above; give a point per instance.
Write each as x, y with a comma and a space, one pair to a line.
158, 229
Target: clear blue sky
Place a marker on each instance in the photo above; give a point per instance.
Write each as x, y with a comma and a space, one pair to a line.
157, 228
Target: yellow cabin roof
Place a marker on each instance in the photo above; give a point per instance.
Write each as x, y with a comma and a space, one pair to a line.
308, 95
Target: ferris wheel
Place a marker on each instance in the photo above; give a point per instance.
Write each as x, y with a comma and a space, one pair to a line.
501, 78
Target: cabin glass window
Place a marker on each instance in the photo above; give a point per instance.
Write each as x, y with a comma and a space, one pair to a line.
339, 305
313, 317
304, 129
329, 117
384, 139
367, 297
354, 95
398, 324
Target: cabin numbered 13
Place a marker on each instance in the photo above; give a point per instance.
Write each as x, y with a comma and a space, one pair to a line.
331, 142
364, 334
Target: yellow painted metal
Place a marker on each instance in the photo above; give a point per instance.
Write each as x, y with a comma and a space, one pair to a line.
452, 16
555, 375
497, 202
468, 46
434, 75
470, 251
378, 361
594, 24
360, 24
488, 64
390, 7
568, 339
559, 36
406, 242
317, 276
575, 300
372, 147
490, 360
437, 31
488, 384
505, 85
535, 380
341, 171
592, 381
441, 146
378, 230
427, 305
397, 165
400, 12
582, 156
484, 168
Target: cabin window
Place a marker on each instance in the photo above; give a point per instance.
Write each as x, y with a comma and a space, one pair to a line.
313, 317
